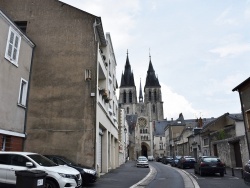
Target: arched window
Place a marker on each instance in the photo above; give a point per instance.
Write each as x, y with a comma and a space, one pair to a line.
127, 110
155, 95
147, 137
153, 108
146, 130
124, 97
140, 130
149, 95
130, 96
141, 137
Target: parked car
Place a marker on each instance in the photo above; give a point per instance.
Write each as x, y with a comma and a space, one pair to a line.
246, 173
88, 174
209, 165
167, 160
142, 162
186, 162
158, 158
175, 161
58, 176
150, 158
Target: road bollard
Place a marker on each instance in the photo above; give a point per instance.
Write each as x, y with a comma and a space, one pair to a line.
232, 171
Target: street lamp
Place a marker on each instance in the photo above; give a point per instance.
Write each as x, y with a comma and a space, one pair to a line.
125, 131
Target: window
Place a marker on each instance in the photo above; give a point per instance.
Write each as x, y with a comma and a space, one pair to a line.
23, 92
124, 97
130, 96
205, 142
88, 74
22, 25
13, 46
149, 95
155, 95
127, 110
153, 108
248, 119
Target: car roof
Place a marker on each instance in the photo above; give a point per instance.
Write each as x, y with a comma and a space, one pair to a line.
17, 152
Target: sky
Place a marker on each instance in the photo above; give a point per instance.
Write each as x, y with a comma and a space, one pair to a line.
200, 49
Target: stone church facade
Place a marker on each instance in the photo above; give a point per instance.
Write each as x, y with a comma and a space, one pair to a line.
140, 112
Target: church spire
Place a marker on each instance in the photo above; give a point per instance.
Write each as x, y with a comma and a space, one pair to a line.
151, 79
140, 93
128, 76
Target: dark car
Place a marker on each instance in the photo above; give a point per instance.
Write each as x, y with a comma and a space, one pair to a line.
186, 162
175, 160
158, 159
167, 160
246, 173
209, 165
88, 174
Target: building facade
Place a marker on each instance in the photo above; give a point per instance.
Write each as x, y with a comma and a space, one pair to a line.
72, 87
16, 51
149, 108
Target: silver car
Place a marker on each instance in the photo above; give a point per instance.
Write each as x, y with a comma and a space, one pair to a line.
142, 162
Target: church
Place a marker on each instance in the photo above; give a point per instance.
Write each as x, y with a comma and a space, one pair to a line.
140, 114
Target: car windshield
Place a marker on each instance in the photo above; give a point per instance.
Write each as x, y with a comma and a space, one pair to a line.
68, 161
142, 159
42, 161
208, 159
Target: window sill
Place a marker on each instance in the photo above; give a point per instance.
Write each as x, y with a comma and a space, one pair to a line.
20, 105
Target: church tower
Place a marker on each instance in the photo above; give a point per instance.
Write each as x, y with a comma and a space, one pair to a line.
152, 95
128, 96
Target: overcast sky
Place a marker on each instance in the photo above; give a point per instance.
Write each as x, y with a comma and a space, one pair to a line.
200, 49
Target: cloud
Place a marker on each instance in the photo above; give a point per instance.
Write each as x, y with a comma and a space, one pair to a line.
174, 104
224, 18
231, 50
119, 20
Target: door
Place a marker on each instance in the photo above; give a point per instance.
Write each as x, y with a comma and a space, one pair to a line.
99, 152
237, 153
18, 163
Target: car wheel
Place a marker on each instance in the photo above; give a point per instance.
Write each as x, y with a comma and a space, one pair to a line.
201, 173
50, 184
221, 174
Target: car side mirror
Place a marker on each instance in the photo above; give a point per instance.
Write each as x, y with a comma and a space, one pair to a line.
29, 164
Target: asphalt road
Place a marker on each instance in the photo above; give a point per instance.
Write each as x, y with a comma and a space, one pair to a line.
166, 177
215, 181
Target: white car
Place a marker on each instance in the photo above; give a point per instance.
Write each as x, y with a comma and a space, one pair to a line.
142, 162
58, 176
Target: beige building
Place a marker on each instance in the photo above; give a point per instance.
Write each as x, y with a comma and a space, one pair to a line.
16, 51
72, 89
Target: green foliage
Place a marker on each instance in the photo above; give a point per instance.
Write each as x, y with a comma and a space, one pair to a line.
221, 135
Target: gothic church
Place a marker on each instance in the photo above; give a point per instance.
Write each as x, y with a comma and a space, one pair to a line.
140, 115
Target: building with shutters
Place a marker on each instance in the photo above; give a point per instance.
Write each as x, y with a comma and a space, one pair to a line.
140, 114
16, 51
72, 108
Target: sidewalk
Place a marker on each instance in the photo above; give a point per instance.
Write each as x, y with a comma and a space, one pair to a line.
236, 172
124, 176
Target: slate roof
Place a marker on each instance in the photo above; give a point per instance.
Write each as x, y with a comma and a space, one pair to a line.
127, 78
151, 80
236, 117
159, 127
241, 84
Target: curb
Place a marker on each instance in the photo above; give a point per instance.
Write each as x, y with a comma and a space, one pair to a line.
189, 181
